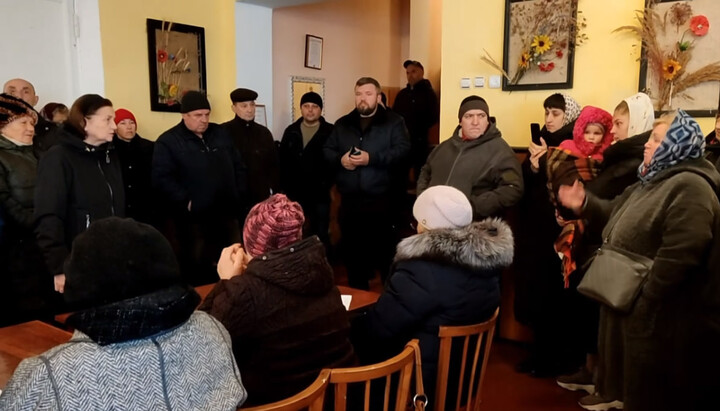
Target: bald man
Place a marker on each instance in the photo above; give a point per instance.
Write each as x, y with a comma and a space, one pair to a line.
24, 90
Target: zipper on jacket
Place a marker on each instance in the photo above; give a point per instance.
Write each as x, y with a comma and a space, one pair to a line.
112, 196
87, 221
207, 148
107, 156
447, 182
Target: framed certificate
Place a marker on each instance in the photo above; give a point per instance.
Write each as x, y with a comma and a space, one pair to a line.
260, 114
313, 52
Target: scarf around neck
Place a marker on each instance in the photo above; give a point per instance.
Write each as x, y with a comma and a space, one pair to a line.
138, 317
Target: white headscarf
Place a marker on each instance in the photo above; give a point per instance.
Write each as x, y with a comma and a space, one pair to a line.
642, 114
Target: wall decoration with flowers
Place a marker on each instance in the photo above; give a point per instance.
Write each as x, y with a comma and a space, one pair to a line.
680, 60
176, 54
540, 41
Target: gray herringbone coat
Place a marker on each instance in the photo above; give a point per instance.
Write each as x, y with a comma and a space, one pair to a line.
188, 368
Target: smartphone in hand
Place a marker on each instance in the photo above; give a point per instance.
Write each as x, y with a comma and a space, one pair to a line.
535, 133
354, 151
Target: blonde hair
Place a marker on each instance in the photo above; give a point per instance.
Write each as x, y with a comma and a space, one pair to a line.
622, 108
666, 118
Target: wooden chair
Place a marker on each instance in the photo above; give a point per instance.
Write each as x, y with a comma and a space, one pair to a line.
402, 363
311, 398
484, 333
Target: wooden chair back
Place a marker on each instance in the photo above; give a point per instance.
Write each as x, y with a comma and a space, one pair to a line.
311, 398
484, 334
402, 364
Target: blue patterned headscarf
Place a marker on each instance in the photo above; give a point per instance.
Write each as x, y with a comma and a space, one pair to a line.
684, 141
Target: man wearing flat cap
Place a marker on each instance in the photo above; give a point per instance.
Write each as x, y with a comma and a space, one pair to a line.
418, 105
256, 145
305, 176
201, 176
477, 161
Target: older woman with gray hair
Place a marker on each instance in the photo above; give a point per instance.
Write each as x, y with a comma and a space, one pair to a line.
662, 354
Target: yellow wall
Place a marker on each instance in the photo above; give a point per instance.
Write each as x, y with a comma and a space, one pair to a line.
125, 55
426, 36
606, 67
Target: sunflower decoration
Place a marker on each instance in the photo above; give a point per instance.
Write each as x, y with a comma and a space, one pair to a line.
524, 60
541, 44
670, 69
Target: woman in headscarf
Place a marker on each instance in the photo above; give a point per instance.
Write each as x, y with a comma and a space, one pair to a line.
662, 355
538, 285
632, 121
26, 287
138, 343
278, 300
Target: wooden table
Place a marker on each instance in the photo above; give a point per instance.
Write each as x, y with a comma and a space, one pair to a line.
21, 341
361, 299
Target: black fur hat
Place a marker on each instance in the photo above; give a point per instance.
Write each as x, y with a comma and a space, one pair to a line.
117, 259
12, 108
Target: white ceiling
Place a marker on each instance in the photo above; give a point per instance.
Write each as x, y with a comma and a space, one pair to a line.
274, 4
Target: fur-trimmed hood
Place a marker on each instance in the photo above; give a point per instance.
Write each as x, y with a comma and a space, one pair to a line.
482, 245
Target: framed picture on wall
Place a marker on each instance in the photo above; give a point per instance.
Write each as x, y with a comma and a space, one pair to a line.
539, 46
680, 64
301, 85
313, 52
176, 56
261, 114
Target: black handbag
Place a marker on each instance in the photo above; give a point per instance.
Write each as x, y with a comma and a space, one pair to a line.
615, 276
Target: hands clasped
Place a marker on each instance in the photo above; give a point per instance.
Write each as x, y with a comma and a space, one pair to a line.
233, 262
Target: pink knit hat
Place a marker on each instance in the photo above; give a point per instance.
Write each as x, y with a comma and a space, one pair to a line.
273, 224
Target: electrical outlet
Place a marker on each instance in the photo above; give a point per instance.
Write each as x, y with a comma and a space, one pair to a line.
479, 81
495, 81
465, 82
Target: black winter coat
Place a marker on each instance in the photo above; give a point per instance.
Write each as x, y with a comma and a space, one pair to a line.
207, 171
77, 184
619, 167
387, 143
418, 105
304, 174
26, 284
537, 265
286, 320
47, 134
136, 161
18, 172
439, 277
259, 152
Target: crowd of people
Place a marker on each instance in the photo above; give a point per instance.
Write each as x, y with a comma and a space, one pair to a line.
116, 229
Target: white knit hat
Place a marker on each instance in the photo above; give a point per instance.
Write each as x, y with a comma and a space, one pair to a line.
442, 207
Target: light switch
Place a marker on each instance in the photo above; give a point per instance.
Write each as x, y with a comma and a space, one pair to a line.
479, 81
465, 82
495, 81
